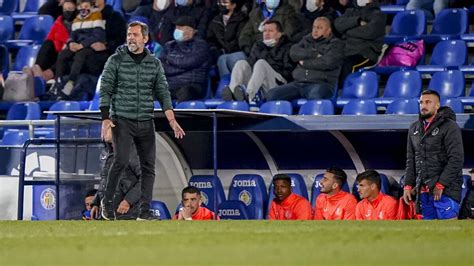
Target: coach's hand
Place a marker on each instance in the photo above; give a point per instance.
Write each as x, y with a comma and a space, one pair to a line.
106, 133
407, 195
178, 131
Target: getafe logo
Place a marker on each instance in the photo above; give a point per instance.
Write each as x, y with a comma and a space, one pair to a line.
435, 132
201, 184
245, 197
204, 198
48, 199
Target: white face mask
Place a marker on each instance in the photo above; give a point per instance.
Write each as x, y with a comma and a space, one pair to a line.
311, 5
162, 4
272, 4
270, 42
362, 3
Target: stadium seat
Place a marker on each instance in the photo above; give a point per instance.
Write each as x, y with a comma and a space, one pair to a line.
251, 190
191, 105
403, 107
449, 24
116, 5
298, 186
234, 105
232, 210
317, 107
26, 57
360, 107
159, 209
454, 103
63, 106
449, 84
34, 31
469, 100
316, 189
407, 25
359, 85
466, 186
405, 84
13, 137
24, 111
224, 81
449, 54
277, 107
6, 28
385, 187
5, 57
399, 6
210, 188
8, 7
31, 9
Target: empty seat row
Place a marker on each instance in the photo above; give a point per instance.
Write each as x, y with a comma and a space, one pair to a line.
33, 31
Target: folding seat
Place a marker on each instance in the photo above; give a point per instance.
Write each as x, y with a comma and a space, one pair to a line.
213, 103
298, 186
63, 106
34, 31
359, 85
316, 189
234, 105
385, 187
67, 131
449, 84
454, 103
233, 210
159, 209
399, 6
212, 192
6, 28
277, 107
469, 100
360, 107
14, 137
449, 24
251, 190
406, 25
8, 7
403, 107
24, 111
26, 57
191, 105
446, 55
317, 107
405, 84
30, 10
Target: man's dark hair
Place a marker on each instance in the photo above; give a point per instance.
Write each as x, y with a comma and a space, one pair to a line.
143, 26
370, 175
277, 24
339, 175
238, 4
90, 193
190, 190
431, 92
283, 177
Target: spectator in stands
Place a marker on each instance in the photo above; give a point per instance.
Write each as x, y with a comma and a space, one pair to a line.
115, 31
52, 8
333, 203
363, 30
287, 205
374, 205
264, 11
340, 5
88, 28
55, 42
192, 208
430, 7
186, 62
223, 34
189, 8
268, 65
128, 192
319, 56
311, 10
435, 157
88, 202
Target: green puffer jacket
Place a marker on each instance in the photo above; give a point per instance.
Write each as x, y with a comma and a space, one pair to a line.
128, 88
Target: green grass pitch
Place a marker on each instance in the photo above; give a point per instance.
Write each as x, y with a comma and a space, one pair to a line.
237, 243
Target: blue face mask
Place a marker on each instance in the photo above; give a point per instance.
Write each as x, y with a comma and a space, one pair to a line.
182, 2
178, 35
272, 4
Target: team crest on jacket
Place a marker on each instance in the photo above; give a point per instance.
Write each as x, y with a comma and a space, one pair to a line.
204, 198
245, 197
435, 132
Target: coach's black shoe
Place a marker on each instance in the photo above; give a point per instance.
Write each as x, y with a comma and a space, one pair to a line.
147, 216
226, 94
240, 93
107, 210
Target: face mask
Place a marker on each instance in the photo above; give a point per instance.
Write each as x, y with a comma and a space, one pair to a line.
223, 10
162, 4
182, 2
311, 5
69, 15
178, 35
270, 42
362, 3
84, 12
272, 4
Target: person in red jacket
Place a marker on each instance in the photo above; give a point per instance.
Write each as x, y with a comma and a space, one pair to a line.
192, 209
374, 205
287, 205
333, 203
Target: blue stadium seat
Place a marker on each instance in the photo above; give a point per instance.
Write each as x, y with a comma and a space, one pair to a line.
317, 107
251, 190
403, 107
191, 105
138, 18
234, 105
399, 6
449, 24
385, 187
405, 84
453, 103
24, 111
277, 107
449, 54
232, 210
449, 84
6, 28
469, 100
316, 189
26, 57
13, 137
466, 186
159, 209
9, 6
224, 81
63, 106
298, 186
360, 107
210, 188
406, 25
359, 85
34, 31
116, 5
30, 10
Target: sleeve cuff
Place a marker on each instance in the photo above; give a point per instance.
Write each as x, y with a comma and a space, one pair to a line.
104, 111
407, 187
439, 186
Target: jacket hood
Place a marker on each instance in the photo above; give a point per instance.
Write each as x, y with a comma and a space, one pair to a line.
446, 112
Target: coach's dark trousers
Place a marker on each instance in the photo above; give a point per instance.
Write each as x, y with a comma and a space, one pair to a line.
142, 133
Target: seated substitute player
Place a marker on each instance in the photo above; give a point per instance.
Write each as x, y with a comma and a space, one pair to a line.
287, 205
192, 209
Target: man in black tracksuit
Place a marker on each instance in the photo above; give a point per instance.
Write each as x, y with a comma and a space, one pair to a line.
435, 158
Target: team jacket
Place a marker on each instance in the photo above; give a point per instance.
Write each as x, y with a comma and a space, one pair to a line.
383, 207
340, 206
294, 207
